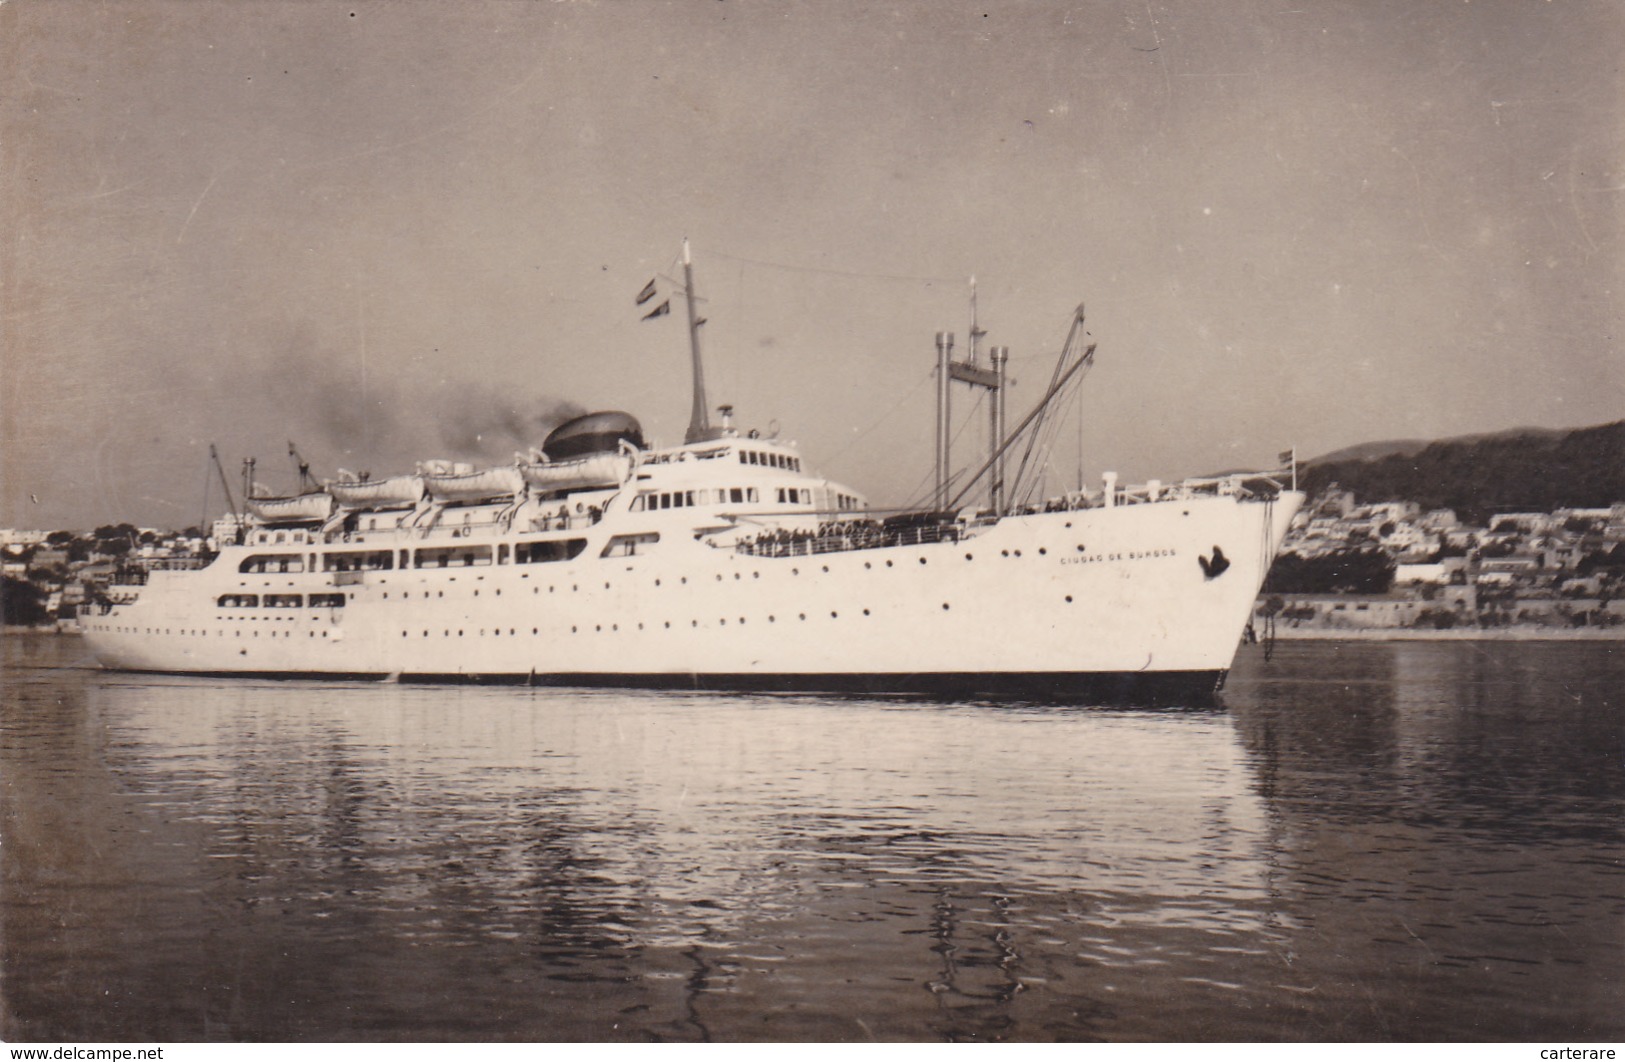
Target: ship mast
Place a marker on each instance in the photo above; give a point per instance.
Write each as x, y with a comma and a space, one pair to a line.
231, 503
699, 420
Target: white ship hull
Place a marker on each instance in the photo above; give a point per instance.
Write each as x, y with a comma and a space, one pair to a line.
1070, 604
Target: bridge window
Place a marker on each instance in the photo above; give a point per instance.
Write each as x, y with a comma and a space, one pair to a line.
359, 560
630, 545
545, 552
453, 557
260, 563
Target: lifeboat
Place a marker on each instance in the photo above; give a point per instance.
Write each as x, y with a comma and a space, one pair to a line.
449, 485
396, 490
300, 508
584, 473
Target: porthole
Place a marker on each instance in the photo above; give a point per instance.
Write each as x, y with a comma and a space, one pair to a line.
801, 615
970, 556
922, 560
1069, 599
945, 606
865, 612
1042, 552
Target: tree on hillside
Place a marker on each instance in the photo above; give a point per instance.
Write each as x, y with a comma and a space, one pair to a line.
1355, 571
21, 603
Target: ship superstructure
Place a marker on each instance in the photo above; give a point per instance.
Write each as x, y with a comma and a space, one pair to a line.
724, 562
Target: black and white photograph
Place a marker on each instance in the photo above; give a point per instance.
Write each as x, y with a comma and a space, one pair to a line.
812, 521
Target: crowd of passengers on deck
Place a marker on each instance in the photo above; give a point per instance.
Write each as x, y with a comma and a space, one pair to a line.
843, 535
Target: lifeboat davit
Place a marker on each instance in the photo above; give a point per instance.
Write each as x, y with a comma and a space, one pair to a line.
299, 508
359, 494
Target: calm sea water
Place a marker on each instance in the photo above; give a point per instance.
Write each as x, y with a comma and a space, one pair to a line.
1408, 841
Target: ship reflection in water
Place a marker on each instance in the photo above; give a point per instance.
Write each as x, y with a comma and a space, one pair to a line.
1376, 841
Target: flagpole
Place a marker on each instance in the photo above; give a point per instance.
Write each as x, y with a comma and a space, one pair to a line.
699, 421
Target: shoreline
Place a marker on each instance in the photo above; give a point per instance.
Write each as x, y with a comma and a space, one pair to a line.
1471, 634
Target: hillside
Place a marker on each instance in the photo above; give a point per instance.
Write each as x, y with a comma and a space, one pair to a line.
1372, 451
1525, 470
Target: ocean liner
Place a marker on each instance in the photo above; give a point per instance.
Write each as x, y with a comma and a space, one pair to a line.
726, 563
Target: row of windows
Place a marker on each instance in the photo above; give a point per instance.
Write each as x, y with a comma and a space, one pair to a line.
555, 550
279, 601
463, 556
200, 634
771, 460
651, 500
544, 552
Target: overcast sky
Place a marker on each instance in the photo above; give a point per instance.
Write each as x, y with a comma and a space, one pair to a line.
396, 231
